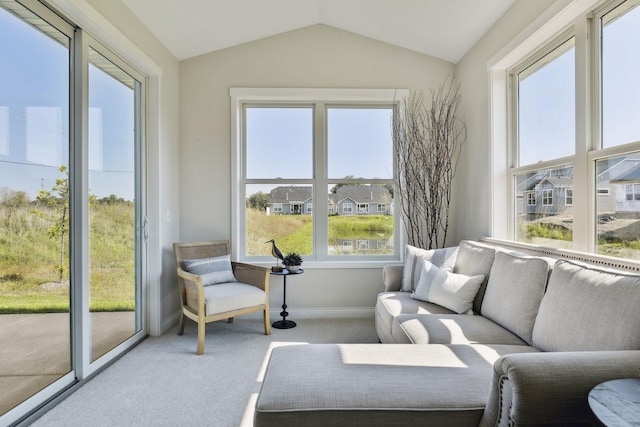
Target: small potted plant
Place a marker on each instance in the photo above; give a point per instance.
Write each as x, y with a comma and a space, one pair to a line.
292, 262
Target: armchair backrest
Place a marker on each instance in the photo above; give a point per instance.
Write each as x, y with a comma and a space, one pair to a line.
200, 250
197, 250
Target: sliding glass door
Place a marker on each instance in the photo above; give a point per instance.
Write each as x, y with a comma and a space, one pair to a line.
72, 206
113, 177
35, 333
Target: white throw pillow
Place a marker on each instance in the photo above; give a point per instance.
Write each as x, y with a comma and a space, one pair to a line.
212, 270
450, 290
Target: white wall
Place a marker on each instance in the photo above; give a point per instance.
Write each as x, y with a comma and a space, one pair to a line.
473, 183
316, 56
163, 154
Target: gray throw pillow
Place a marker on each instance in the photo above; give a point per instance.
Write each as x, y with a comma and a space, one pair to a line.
475, 258
588, 308
414, 262
514, 291
212, 270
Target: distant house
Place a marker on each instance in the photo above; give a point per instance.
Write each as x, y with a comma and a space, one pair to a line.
361, 200
291, 200
551, 192
619, 186
546, 193
348, 200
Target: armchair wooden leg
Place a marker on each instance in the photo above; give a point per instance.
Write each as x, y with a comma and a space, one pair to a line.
267, 323
183, 320
201, 330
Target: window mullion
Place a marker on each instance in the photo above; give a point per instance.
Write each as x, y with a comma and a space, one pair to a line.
583, 171
320, 217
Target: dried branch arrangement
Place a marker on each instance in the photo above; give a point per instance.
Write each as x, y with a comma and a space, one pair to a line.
428, 144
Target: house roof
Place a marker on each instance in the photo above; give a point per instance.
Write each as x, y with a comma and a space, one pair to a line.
558, 181
444, 29
364, 194
290, 194
357, 193
632, 175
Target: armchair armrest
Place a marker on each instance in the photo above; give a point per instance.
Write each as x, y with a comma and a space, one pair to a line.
552, 388
392, 277
251, 275
192, 291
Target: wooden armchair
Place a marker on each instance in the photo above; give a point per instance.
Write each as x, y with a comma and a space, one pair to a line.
204, 304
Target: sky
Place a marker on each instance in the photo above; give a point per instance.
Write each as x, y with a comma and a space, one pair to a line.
34, 117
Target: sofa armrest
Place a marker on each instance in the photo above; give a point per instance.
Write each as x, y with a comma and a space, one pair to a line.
552, 388
392, 277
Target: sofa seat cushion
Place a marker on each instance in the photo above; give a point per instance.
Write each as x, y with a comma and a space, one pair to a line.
588, 308
377, 385
391, 304
453, 329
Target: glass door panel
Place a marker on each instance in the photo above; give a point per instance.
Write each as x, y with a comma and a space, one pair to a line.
35, 343
112, 153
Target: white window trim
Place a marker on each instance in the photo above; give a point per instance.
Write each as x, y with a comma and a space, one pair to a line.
347, 208
382, 207
547, 197
567, 197
241, 96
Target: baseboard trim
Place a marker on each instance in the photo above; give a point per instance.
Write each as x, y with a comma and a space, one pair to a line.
326, 313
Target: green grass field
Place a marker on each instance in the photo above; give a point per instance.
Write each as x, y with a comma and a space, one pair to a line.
294, 233
29, 258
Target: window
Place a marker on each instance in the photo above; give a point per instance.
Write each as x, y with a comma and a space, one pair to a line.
382, 207
343, 163
545, 123
531, 199
552, 137
568, 197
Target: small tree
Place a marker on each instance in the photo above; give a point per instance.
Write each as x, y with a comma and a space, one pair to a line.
58, 200
258, 201
428, 145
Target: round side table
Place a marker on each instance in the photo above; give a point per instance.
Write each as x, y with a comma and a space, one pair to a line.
616, 403
284, 323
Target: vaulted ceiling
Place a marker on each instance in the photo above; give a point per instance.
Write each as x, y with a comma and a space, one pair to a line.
445, 29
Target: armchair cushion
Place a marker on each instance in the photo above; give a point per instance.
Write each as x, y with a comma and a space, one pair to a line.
231, 296
212, 270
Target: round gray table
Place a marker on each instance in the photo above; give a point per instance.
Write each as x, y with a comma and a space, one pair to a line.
616, 403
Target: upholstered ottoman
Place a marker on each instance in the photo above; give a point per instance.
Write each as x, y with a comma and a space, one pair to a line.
378, 385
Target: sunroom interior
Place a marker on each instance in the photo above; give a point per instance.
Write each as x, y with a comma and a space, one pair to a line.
552, 146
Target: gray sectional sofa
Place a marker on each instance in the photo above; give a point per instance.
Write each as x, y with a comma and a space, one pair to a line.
538, 334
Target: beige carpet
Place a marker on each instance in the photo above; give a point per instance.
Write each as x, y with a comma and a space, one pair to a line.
162, 382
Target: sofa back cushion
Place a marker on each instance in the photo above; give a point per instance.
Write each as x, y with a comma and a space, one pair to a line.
414, 263
514, 292
588, 308
473, 259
